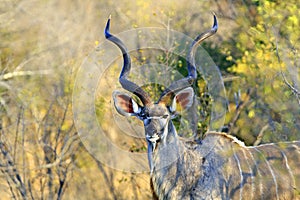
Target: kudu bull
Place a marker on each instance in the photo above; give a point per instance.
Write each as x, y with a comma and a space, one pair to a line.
220, 167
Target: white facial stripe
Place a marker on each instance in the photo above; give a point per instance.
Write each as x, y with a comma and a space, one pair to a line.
157, 117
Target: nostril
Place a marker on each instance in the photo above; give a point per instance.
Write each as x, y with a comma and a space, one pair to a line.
151, 133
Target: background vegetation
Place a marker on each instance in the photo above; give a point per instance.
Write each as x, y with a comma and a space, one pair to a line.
43, 43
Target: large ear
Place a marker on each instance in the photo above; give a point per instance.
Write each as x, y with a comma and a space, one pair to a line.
125, 105
182, 100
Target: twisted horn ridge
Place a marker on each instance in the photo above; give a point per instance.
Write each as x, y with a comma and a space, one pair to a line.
191, 55
126, 84
192, 71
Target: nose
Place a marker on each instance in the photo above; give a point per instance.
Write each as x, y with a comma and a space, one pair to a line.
151, 130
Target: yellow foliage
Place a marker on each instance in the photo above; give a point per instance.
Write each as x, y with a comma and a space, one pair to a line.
251, 114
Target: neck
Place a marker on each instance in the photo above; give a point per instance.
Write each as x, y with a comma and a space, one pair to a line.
168, 145
170, 163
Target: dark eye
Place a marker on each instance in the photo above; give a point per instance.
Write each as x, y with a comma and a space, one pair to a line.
165, 116
144, 116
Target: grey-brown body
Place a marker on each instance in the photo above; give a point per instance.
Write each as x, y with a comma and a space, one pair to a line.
221, 167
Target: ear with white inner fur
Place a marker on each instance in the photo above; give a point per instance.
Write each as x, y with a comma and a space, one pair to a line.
125, 105
182, 100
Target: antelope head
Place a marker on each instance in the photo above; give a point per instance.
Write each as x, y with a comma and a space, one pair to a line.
156, 115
